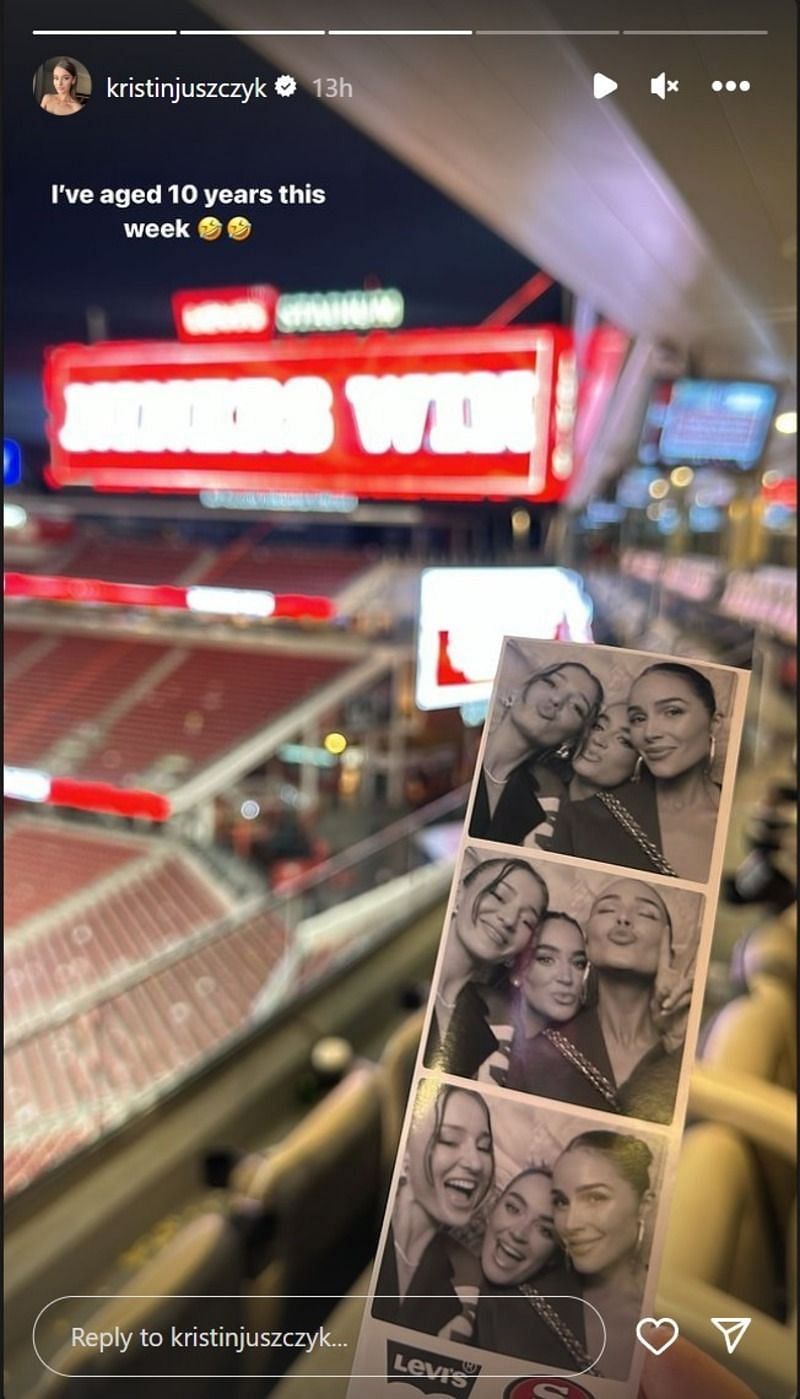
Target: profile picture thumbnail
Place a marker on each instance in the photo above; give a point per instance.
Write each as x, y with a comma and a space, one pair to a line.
62, 86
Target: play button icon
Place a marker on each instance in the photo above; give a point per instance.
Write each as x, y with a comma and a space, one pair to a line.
602, 85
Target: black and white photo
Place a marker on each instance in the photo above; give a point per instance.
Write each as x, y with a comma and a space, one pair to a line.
526, 1219
535, 1227
605, 755
566, 983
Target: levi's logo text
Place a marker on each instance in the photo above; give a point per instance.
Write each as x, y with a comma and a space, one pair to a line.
541, 1388
429, 1373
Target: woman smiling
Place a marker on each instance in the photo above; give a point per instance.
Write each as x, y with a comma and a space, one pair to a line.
526, 763
499, 907
428, 1280
601, 1200
665, 817
525, 1308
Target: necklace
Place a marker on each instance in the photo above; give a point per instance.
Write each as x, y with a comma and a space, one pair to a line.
500, 781
448, 1005
408, 1262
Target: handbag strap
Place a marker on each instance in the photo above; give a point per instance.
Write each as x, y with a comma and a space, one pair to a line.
623, 816
566, 1336
585, 1066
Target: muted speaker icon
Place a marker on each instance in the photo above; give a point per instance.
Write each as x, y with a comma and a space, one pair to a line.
661, 85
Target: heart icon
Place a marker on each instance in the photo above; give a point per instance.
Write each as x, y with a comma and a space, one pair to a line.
649, 1323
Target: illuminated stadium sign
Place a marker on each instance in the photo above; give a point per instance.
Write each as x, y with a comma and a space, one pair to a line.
465, 613
245, 313
226, 313
221, 602
379, 309
432, 415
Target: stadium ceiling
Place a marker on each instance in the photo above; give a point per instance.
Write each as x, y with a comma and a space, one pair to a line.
673, 218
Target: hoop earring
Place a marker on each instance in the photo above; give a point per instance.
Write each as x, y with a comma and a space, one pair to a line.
637, 771
712, 753
564, 751
639, 1238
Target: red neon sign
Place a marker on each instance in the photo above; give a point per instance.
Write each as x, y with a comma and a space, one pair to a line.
103, 797
32, 785
225, 313
228, 602
445, 414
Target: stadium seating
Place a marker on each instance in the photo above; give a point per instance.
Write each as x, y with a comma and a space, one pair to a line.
397, 1061
69, 687
344, 1324
137, 712
194, 1281
321, 1189
724, 1254
18, 648
152, 907
152, 561
46, 862
134, 561
324, 572
209, 701
67, 1084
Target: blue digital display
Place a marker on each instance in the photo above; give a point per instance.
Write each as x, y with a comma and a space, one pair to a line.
12, 462
708, 421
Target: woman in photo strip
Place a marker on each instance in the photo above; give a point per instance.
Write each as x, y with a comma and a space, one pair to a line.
527, 1305
622, 1051
615, 761
592, 1010
499, 906
602, 1201
526, 767
428, 1280
522, 1269
665, 817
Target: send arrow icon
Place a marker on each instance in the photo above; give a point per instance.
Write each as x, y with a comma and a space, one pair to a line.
732, 1329
602, 85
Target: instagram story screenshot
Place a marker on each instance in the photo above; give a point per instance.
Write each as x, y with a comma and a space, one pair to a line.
400, 795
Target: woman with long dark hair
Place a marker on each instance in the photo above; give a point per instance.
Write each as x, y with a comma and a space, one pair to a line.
607, 759
63, 100
622, 1052
499, 907
601, 1198
665, 818
527, 1307
550, 978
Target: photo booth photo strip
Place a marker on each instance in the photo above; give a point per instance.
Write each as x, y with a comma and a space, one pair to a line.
523, 1219
565, 982
450, 1183
611, 755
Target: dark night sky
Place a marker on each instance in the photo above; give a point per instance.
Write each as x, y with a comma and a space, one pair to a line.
380, 219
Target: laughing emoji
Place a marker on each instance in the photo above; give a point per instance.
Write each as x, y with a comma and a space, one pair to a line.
239, 228
209, 229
